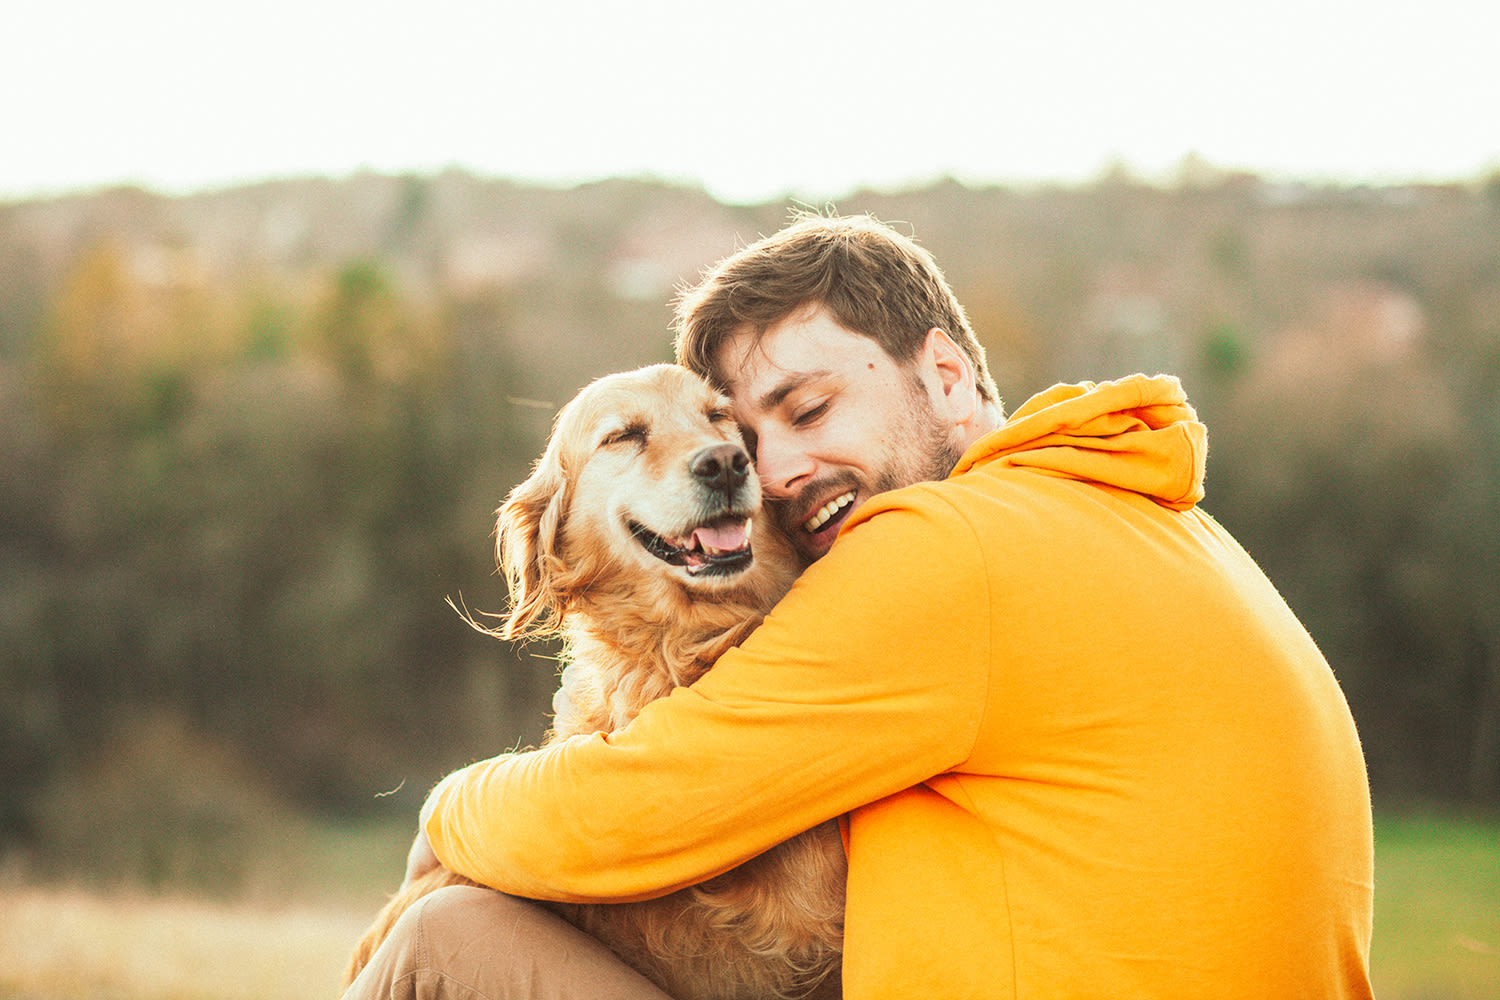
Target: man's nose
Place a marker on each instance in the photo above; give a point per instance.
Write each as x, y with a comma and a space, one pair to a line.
781, 469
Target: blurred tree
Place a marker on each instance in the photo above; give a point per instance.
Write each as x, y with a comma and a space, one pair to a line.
250, 441
91, 341
1225, 351
1491, 187
1342, 502
362, 324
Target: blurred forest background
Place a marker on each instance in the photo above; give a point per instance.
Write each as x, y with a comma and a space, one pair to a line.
251, 439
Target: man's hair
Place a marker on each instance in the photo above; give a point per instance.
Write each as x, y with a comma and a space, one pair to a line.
872, 280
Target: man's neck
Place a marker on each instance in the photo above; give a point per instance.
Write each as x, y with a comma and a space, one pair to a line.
987, 417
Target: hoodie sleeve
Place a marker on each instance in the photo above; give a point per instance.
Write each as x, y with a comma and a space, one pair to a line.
870, 677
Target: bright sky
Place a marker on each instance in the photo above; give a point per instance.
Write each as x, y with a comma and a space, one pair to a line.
755, 100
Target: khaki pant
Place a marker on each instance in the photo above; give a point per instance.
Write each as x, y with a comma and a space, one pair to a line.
464, 943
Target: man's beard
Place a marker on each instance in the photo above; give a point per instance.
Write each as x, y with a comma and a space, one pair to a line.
919, 448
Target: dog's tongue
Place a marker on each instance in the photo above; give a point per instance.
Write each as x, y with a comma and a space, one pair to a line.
726, 536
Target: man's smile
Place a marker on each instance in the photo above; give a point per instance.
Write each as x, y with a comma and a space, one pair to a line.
827, 512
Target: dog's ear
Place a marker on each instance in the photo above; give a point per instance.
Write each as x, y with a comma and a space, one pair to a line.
527, 534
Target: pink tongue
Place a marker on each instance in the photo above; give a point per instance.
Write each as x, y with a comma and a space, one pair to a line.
724, 537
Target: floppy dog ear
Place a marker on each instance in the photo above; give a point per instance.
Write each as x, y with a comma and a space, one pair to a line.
526, 538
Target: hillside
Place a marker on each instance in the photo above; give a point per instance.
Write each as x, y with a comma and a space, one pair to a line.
252, 438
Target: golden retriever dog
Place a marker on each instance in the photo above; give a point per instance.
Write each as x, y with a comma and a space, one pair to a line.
635, 540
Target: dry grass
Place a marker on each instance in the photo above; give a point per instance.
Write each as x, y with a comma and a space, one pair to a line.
72, 945
287, 931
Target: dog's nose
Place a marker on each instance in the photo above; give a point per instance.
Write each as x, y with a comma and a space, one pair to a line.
724, 467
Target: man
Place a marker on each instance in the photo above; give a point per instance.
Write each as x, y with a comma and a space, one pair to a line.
1084, 748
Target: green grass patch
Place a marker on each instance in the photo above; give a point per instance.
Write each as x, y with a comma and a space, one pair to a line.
1437, 908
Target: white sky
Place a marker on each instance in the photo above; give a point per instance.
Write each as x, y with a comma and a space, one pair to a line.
755, 100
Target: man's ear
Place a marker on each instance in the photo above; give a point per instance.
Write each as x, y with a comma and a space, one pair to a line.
955, 375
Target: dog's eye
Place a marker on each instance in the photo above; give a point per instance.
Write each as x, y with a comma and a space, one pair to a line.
635, 433
720, 415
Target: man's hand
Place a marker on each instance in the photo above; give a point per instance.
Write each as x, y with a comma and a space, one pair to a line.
420, 860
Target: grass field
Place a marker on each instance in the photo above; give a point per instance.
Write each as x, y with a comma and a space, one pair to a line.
1437, 908
1437, 927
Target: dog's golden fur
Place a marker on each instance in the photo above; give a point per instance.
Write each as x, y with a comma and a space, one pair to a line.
631, 540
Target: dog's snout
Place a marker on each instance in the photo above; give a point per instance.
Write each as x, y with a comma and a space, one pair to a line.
723, 467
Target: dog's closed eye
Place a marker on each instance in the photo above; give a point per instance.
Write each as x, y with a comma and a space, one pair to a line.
629, 434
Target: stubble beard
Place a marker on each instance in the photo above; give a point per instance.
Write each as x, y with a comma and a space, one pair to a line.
919, 449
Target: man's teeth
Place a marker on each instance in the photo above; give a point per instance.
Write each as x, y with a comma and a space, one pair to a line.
826, 512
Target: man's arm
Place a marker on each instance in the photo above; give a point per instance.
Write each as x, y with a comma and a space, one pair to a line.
421, 859
870, 677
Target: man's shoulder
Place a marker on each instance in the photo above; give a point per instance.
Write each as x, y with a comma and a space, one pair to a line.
993, 508
910, 546
958, 497
927, 511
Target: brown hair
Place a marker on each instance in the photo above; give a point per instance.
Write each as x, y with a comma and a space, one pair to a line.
873, 280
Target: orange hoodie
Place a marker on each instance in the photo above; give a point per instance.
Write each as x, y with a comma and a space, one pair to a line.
1085, 748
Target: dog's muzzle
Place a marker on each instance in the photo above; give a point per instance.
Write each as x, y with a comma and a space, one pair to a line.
716, 548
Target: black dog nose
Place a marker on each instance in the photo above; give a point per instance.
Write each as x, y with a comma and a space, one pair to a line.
724, 467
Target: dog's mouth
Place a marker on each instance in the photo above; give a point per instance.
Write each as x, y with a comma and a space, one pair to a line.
718, 547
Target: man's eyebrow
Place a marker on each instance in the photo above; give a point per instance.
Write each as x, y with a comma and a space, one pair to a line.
778, 393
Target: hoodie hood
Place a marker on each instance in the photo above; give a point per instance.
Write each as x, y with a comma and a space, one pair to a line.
1137, 433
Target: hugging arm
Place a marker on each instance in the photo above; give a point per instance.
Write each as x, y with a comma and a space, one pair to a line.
421, 859
849, 692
